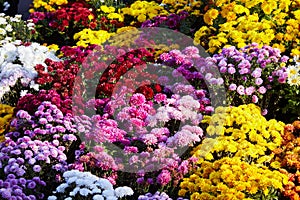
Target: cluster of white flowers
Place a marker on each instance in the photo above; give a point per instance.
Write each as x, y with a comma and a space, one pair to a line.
18, 61
9, 25
88, 186
294, 72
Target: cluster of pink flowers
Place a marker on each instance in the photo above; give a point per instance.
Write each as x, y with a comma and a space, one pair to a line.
140, 140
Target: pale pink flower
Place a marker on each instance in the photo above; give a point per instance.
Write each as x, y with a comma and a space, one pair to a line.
250, 90
241, 90
149, 139
262, 90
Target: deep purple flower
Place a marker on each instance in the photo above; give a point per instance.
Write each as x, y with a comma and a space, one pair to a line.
14, 181
32, 197
18, 192
140, 180
6, 184
16, 134
31, 184
11, 176
22, 181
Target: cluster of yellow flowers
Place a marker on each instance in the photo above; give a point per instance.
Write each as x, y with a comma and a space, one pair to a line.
230, 178
88, 36
143, 10
6, 113
47, 5
239, 130
139, 10
233, 157
127, 37
175, 6
109, 12
266, 22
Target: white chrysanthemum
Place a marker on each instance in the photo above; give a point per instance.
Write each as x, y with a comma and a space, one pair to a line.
15, 19
93, 186
123, 191
96, 191
12, 70
23, 93
104, 184
88, 175
4, 89
71, 173
85, 192
75, 191
17, 42
61, 188
34, 86
69, 198
98, 197
26, 56
297, 59
71, 180
89, 184
111, 198
8, 39
52, 198
3, 21
292, 70
10, 52
108, 193
8, 28
294, 80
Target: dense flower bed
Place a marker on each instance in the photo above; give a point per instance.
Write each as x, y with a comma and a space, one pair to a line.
98, 101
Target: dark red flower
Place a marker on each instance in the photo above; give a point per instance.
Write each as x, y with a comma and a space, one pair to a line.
157, 88
147, 91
